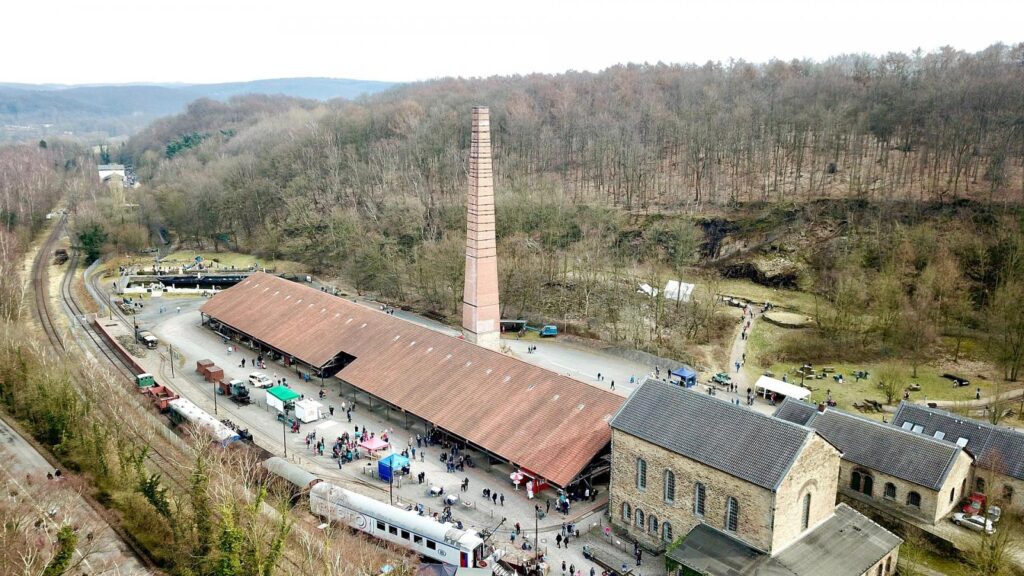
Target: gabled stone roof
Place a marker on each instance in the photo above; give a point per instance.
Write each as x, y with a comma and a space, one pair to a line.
888, 449
734, 439
995, 448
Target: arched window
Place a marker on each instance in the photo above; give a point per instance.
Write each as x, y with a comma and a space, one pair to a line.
952, 494
805, 518
1007, 493
627, 514
652, 524
670, 486
879, 571
641, 473
888, 564
640, 518
666, 531
979, 485
855, 481
890, 490
698, 499
732, 514
869, 484
914, 499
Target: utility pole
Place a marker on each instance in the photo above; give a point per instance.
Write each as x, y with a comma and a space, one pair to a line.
170, 348
214, 395
284, 433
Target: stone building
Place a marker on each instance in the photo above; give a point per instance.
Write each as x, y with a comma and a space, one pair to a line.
903, 474
711, 477
999, 452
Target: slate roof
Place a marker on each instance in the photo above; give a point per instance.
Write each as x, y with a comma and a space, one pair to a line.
547, 423
795, 411
999, 449
736, 440
847, 544
888, 449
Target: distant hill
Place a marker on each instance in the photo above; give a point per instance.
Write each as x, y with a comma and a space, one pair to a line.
28, 111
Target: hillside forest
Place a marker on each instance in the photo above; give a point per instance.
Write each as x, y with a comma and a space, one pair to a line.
880, 195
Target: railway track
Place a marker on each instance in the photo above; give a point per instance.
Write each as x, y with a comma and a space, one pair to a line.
40, 287
157, 460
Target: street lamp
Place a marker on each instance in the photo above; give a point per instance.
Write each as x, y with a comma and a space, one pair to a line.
214, 394
284, 433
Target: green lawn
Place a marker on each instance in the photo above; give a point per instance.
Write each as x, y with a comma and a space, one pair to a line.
929, 376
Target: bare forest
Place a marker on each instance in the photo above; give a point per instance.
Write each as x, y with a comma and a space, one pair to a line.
639, 173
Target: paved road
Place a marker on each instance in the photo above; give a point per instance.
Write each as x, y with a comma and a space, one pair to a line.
196, 342
59, 501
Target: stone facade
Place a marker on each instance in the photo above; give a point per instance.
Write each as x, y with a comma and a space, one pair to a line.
1005, 491
934, 504
767, 521
886, 566
815, 472
481, 318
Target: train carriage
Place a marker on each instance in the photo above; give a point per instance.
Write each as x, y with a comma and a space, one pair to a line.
405, 528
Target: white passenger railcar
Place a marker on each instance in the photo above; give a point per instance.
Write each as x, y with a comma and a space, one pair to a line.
423, 535
182, 411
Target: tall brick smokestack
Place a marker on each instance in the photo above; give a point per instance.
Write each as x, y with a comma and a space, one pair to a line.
481, 321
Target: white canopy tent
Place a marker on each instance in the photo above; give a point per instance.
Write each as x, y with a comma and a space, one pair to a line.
766, 384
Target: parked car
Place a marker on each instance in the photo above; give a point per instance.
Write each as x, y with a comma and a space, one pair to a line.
260, 380
721, 378
973, 522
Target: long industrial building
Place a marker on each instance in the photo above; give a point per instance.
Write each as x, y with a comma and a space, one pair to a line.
550, 425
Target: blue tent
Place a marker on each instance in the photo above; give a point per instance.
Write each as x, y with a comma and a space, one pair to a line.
686, 375
387, 466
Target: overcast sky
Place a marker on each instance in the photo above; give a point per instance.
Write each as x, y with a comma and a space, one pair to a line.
72, 41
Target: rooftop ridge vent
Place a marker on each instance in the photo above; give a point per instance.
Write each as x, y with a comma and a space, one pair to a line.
364, 325
448, 357
579, 407
507, 378
299, 301
348, 321
413, 343
530, 387
469, 363
397, 336
287, 296
431, 349
276, 292
489, 370
555, 397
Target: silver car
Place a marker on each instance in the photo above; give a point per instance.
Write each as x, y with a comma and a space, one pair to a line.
975, 522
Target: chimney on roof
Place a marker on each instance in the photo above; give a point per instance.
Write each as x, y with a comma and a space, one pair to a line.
481, 319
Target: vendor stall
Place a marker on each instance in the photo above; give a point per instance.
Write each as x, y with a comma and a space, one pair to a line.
767, 386
687, 376
373, 445
281, 398
308, 410
389, 466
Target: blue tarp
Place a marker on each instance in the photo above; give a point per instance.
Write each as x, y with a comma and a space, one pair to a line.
387, 466
686, 374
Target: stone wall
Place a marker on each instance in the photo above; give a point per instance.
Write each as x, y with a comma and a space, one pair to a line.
996, 488
956, 487
887, 564
934, 503
755, 503
815, 472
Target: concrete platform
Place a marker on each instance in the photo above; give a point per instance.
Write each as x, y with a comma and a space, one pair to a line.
193, 342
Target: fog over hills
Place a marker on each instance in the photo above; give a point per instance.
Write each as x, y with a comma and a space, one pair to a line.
30, 111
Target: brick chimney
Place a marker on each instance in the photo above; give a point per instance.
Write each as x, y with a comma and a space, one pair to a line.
481, 321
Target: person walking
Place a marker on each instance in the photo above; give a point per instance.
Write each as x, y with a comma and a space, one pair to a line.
558, 541
503, 499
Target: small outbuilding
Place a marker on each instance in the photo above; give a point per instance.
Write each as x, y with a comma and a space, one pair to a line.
308, 410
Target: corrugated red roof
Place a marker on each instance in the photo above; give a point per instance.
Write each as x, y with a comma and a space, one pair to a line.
548, 423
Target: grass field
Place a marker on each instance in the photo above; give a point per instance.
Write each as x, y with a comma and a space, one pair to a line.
765, 336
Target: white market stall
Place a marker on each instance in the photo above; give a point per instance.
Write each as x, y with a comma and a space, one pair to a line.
280, 396
308, 410
766, 385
